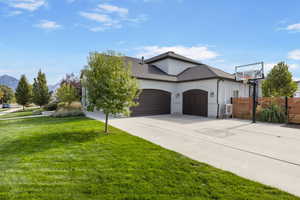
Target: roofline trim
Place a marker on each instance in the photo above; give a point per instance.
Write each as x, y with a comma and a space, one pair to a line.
169, 56
192, 80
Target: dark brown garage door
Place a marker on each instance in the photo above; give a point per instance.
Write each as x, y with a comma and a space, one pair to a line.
153, 102
195, 102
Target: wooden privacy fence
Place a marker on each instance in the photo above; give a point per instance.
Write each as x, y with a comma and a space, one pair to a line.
242, 107
294, 110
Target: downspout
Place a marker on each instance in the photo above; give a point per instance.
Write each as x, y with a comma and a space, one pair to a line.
218, 105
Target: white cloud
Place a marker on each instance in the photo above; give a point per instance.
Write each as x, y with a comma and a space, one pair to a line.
4, 71
106, 21
15, 13
96, 17
110, 17
48, 25
296, 78
29, 5
113, 9
138, 19
150, 1
194, 52
268, 67
293, 27
295, 54
105, 27
293, 66
98, 29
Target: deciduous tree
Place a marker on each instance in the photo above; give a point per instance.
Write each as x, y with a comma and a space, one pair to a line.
67, 93
279, 82
110, 85
1, 95
6, 94
73, 80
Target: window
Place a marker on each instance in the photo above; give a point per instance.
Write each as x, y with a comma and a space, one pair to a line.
235, 93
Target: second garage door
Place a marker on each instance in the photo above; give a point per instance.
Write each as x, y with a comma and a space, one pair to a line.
153, 102
195, 102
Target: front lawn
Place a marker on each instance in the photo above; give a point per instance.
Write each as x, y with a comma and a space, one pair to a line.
64, 159
21, 113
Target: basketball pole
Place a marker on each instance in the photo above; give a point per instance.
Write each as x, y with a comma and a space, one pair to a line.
254, 102
258, 74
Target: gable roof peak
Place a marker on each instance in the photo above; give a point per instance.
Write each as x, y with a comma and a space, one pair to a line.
173, 55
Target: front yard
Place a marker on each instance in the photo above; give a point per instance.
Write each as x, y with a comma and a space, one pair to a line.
21, 113
64, 159
3, 109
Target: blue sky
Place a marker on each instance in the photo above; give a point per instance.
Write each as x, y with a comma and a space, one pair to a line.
57, 35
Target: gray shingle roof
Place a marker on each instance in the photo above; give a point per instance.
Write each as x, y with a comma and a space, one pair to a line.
171, 54
148, 71
198, 72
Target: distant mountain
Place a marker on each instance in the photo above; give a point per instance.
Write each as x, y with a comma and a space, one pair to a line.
9, 81
53, 88
12, 82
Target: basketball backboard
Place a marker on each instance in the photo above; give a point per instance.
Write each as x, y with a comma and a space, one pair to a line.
253, 71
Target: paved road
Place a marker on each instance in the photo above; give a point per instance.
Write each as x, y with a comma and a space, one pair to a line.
266, 153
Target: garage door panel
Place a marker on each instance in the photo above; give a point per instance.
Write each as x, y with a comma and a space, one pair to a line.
153, 102
195, 102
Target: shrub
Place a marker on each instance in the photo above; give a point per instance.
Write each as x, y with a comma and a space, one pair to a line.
73, 106
272, 113
51, 106
69, 110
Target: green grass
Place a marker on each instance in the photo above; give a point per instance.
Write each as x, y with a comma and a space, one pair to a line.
21, 113
70, 158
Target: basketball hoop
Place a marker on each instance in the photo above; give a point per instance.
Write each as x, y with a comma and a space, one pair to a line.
253, 71
250, 74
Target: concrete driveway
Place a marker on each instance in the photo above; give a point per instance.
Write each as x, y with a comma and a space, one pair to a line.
266, 153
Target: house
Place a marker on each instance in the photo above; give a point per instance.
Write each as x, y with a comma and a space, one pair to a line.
174, 84
297, 93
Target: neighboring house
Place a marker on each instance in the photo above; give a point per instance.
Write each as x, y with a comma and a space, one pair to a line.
174, 84
297, 93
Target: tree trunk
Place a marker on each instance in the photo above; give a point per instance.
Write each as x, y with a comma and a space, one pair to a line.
23, 108
106, 122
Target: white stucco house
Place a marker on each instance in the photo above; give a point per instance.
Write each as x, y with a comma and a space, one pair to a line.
174, 84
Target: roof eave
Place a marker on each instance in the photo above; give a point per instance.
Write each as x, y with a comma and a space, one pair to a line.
184, 81
151, 60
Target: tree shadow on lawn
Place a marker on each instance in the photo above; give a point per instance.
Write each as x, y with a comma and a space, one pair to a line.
43, 121
42, 142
